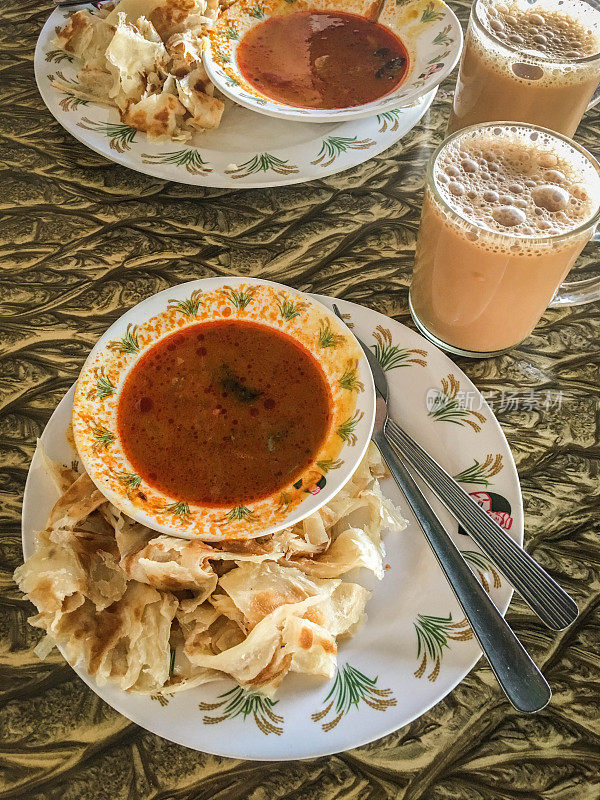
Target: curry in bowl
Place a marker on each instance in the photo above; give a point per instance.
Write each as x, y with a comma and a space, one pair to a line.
223, 409
322, 60
224, 413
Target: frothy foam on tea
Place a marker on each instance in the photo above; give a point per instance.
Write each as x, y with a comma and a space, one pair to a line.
519, 183
507, 210
549, 33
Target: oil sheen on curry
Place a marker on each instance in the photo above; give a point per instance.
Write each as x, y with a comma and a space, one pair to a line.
224, 413
322, 59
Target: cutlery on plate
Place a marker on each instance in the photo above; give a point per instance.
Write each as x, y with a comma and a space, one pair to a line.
541, 592
66, 3
521, 680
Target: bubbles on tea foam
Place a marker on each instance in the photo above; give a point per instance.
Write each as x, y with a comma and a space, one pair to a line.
552, 198
456, 188
549, 53
543, 191
529, 72
551, 34
509, 216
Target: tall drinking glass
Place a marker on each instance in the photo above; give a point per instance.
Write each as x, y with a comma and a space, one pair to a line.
536, 62
507, 210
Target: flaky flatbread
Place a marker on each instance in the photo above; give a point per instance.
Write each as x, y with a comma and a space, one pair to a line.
159, 614
144, 57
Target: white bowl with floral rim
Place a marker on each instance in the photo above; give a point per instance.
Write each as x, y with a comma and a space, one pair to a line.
304, 319
428, 29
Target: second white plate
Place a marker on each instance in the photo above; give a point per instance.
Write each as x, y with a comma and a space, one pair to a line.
248, 150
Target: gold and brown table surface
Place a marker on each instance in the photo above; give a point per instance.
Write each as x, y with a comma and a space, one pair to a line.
81, 241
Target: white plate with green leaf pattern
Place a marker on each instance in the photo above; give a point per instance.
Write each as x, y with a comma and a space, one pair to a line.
416, 645
248, 150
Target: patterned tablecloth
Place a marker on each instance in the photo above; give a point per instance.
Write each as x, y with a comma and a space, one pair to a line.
82, 240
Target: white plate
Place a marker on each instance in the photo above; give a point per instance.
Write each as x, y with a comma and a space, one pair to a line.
382, 668
248, 150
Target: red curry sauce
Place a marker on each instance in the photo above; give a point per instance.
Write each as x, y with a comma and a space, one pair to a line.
224, 413
322, 59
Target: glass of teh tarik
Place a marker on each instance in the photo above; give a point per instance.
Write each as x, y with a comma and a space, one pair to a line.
508, 209
536, 62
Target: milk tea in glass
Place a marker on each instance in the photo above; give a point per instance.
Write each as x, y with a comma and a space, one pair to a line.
529, 62
507, 210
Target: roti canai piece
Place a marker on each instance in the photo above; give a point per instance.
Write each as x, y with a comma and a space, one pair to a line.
144, 57
157, 614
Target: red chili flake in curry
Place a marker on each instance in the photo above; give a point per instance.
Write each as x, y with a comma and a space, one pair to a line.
224, 413
322, 59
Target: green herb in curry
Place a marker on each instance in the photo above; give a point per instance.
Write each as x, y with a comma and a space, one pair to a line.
232, 383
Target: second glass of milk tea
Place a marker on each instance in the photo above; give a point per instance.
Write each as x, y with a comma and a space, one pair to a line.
508, 209
529, 62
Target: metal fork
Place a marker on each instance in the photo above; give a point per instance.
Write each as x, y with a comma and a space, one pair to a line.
68, 3
541, 592
521, 680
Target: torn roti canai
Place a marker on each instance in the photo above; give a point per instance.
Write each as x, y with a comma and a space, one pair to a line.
144, 57
157, 614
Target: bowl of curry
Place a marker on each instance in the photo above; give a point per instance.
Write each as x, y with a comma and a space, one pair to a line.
223, 409
321, 60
